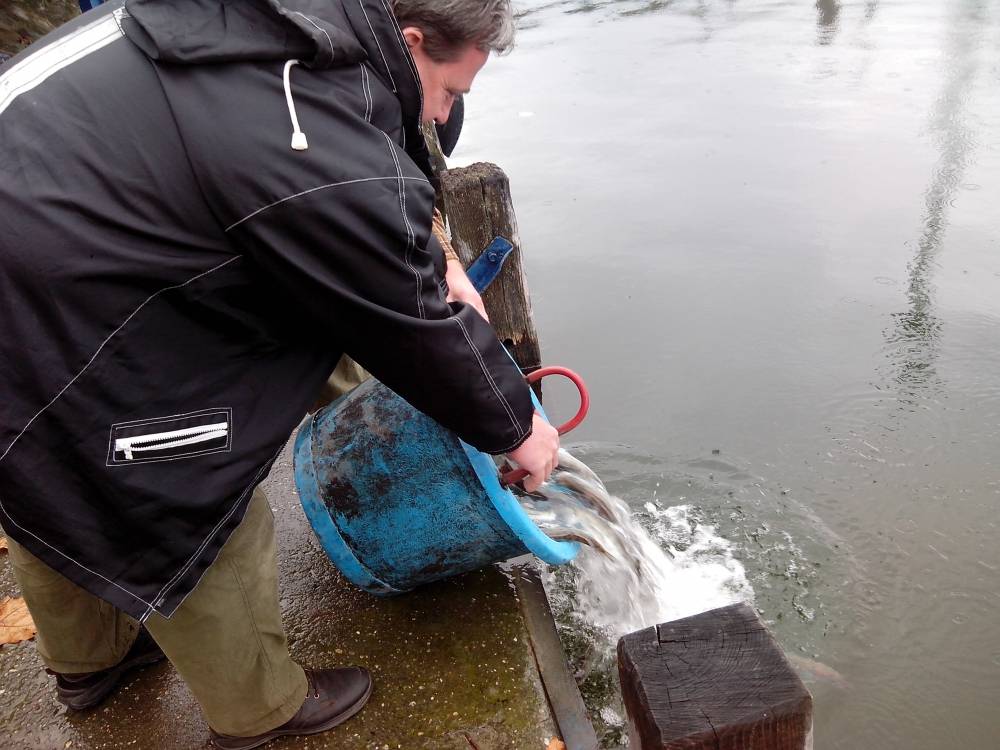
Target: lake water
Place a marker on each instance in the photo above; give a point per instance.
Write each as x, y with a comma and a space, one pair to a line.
766, 233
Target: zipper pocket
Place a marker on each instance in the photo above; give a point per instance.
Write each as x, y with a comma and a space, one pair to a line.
170, 438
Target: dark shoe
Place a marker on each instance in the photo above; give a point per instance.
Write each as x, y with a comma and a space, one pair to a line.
80, 691
334, 696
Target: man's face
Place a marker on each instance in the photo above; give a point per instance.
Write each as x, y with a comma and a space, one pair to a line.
443, 81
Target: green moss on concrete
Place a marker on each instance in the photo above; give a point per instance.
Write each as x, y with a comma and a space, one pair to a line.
449, 660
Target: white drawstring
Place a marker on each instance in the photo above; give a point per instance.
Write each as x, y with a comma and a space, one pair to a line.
299, 142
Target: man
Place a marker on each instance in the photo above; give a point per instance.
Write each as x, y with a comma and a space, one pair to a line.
196, 193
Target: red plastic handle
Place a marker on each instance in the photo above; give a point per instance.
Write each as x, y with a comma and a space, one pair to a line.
513, 476
581, 413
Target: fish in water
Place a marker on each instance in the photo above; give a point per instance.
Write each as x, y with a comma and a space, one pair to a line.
814, 671
625, 577
594, 495
570, 463
562, 534
567, 515
574, 505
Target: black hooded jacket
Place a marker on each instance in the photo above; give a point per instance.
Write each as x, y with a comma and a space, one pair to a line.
177, 281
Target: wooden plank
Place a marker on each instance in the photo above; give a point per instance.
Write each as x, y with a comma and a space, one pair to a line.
563, 694
716, 680
479, 207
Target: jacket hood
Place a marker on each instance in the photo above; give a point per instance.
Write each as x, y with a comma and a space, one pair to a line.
193, 32
318, 33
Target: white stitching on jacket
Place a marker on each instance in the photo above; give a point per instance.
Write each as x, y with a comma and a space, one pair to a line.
489, 377
375, 37
104, 343
227, 410
169, 417
333, 52
410, 237
406, 55
66, 387
314, 189
366, 88
75, 562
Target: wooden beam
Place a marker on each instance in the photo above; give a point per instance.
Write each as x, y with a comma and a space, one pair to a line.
561, 691
479, 208
715, 681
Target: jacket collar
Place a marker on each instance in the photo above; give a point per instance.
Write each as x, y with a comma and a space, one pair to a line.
376, 29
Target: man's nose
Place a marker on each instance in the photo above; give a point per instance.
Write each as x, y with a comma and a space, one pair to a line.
445, 112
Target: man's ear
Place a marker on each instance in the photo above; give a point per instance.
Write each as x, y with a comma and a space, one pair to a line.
414, 37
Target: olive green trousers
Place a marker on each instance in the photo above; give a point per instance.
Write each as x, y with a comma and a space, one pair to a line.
225, 640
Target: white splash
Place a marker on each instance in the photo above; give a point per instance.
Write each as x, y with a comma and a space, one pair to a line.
639, 569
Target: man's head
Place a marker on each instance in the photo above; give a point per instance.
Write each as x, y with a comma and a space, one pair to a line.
450, 41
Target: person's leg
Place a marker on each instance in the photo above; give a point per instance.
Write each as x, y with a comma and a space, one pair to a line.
77, 632
226, 639
346, 376
85, 642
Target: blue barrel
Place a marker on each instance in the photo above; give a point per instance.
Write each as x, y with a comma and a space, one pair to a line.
396, 500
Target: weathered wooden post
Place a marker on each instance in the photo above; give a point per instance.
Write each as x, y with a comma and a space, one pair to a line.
479, 208
712, 681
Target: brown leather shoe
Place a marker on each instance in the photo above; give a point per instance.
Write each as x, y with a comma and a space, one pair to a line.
80, 691
333, 697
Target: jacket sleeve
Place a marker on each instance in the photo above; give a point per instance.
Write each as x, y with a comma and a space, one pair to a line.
358, 253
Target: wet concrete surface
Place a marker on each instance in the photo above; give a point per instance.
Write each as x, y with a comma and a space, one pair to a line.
452, 664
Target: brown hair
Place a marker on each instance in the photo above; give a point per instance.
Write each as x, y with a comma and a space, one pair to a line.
449, 25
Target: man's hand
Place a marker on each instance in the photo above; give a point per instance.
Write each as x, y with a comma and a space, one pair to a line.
539, 454
460, 289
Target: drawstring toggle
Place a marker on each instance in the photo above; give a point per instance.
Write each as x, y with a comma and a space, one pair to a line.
299, 142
